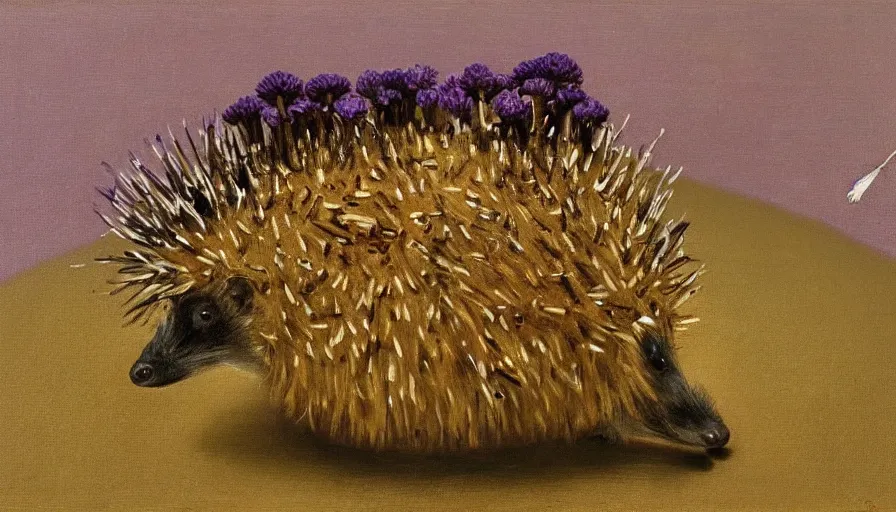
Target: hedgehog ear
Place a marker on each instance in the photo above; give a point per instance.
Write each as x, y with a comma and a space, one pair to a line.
240, 290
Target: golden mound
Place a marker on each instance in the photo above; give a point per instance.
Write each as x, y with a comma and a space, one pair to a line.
796, 343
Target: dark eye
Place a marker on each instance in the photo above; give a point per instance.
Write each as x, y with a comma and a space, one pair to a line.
655, 355
203, 316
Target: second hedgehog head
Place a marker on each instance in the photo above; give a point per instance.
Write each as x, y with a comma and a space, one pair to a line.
421, 266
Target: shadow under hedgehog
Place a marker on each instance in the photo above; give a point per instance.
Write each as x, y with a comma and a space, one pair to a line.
420, 266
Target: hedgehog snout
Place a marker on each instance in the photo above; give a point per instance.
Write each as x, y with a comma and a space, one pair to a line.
691, 417
141, 373
712, 431
156, 373
715, 436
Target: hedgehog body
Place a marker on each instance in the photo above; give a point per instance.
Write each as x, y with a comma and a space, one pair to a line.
425, 278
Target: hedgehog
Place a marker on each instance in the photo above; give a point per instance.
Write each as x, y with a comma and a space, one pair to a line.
419, 266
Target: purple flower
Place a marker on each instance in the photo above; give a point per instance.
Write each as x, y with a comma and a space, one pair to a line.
510, 107
427, 97
302, 107
451, 81
369, 83
271, 116
243, 109
556, 67
569, 96
395, 79
387, 96
455, 101
279, 83
590, 110
375, 86
503, 81
453, 98
420, 77
408, 81
325, 84
477, 77
538, 87
351, 106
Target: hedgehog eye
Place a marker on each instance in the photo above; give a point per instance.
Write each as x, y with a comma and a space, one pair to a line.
655, 355
203, 316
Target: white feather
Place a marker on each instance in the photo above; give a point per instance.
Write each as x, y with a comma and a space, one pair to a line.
862, 184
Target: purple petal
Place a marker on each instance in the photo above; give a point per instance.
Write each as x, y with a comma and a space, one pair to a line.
369, 83
279, 83
319, 87
396, 80
538, 87
455, 101
243, 109
451, 81
351, 106
503, 81
591, 110
427, 98
380, 87
271, 116
302, 107
569, 96
420, 77
387, 96
477, 77
510, 107
556, 67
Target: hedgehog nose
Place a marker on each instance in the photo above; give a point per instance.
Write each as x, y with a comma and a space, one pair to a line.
716, 437
141, 373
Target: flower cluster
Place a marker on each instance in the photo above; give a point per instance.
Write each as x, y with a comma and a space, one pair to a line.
371, 85
387, 87
549, 85
301, 100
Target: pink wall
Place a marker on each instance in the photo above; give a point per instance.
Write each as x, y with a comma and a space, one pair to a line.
789, 102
